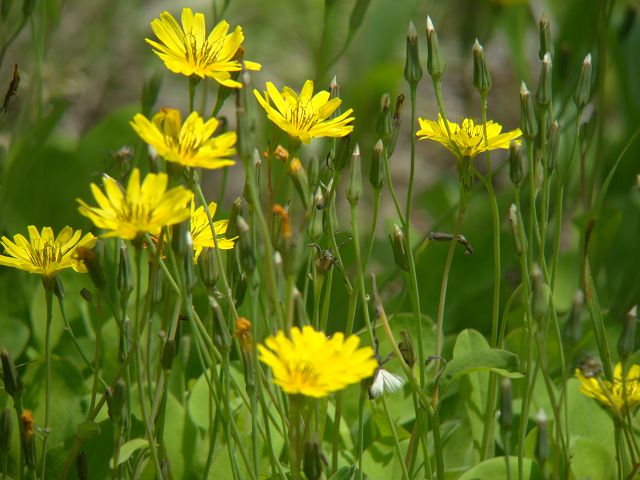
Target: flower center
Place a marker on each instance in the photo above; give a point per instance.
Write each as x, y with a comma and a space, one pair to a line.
204, 56
302, 115
47, 254
303, 372
138, 213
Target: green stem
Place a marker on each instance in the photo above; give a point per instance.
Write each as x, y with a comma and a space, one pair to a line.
47, 389
396, 442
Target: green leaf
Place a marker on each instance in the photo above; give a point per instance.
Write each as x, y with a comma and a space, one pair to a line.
591, 460
128, 449
468, 359
497, 468
345, 473
88, 430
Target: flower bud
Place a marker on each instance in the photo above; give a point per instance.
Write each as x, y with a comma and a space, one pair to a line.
208, 268
481, 76
627, 340
12, 383
220, 331
515, 162
412, 67
244, 143
334, 92
247, 254
546, 45
542, 445
384, 125
150, 91
232, 224
506, 409
86, 295
125, 275
6, 431
583, 89
168, 354
155, 278
396, 125
82, 466
376, 175
179, 241
553, 145
543, 94
528, 123
300, 180
27, 439
572, 331
241, 289
315, 228
540, 298
398, 246
515, 229
243, 334
312, 462
435, 65
354, 188
407, 349
116, 401
92, 260
357, 15
343, 151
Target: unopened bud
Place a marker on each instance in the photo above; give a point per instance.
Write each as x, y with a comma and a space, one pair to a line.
516, 161
398, 246
6, 431
241, 289
243, 334
354, 188
384, 126
583, 89
179, 241
481, 76
506, 409
407, 349
312, 462
376, 175
247, 254
553, 145
27, 439
82, 466
232, 224
208, 268
300, 180
542, 445
12, 382
515, 228
343, 152
412, 67
221, 335
244, 143
435, 65
91, 259
87, 295
396, 125
314, 172
627, 340
315, 228
540, 298
334, 92
528, 123
572, 331
546, 45
150, 91
116, 401
543, 94
125, 275
155, 279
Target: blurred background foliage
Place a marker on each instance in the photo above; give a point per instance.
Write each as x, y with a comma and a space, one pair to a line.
83, 66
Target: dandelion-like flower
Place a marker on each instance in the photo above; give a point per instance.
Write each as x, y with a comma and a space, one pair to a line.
621, 395
385, 382
305, 116
313, 365
44, 253
141, 209
191, 144
189, 51
466, 140
201, 230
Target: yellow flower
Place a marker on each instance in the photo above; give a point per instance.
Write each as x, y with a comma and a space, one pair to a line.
201, 230
143, 208
187, 49
620, 395
305, 116
313, 365
190, 144
467, 140
44, 253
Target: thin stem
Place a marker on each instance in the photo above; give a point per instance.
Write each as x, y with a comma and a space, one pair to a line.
396, 442
47, 368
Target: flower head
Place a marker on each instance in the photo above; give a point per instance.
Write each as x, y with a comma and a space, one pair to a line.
201, 230
44, 253
305, 116
313, 365
466, 140
622, 394
142, 208
189, 51
190, 144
